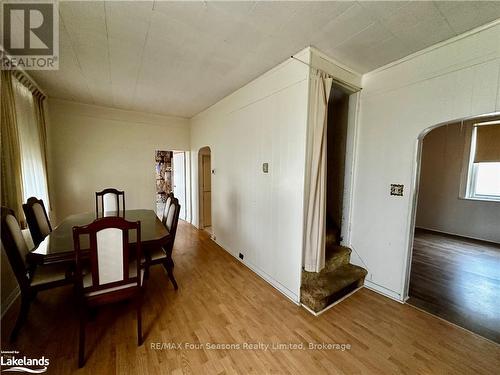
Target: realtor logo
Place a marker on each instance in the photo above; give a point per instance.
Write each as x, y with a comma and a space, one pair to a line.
30, 35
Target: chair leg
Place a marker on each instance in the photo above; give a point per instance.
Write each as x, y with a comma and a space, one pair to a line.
139, 319
169, 266
81, 345
23, 314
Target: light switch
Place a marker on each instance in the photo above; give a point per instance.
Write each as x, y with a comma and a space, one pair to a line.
265, 167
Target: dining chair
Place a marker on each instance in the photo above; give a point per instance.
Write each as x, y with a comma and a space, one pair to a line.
109, 270
168, 202
163, 255
107, 202
31, 278
37, 218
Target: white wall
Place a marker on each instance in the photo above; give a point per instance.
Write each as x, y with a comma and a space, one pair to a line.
440, 207
93, 147
452, 80
257, 214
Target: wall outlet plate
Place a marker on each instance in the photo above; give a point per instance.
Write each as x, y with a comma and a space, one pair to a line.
397, 190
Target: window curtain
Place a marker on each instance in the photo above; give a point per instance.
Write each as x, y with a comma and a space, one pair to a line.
39, 100
315, 220
12, 186
32, 153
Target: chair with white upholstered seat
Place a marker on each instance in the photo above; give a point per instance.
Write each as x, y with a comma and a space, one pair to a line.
168, 203
163, 255
37, 219
31, 278
109, 202
115, 274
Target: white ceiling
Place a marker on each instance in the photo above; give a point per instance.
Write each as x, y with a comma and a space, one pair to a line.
179, 58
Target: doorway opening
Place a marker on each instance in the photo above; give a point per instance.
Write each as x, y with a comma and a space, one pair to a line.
338, 115
454, 257
205, 189
170, 171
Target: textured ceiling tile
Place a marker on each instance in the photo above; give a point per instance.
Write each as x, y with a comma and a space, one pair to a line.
181, 57
351, 22
463, 16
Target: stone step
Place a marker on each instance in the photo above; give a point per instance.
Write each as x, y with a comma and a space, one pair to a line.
321, 289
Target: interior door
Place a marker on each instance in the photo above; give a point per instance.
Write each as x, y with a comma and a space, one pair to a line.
179, 181
207, 191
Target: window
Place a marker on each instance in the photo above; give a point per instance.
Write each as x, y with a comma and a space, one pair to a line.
484, 162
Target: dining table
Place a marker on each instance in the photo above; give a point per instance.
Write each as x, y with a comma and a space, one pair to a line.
58, 246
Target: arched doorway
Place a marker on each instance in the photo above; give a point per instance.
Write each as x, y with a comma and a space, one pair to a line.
205, 189
454, 251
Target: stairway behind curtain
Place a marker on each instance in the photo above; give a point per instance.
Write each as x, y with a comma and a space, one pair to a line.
314, 242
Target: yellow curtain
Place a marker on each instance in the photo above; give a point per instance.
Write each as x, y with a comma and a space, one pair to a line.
39, 99
12, 187
487, 144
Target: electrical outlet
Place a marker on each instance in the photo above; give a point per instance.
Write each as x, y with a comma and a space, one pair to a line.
397, 190
265, 167
241, 256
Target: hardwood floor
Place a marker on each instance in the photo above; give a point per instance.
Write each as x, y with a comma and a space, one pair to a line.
221, 301
457, 279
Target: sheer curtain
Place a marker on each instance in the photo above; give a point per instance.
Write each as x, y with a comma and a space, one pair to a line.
12, 185
32, 156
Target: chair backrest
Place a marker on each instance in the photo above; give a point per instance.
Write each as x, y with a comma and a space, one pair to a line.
107, 202
173, 217
15, 246
37, 218
109, 253
168, 202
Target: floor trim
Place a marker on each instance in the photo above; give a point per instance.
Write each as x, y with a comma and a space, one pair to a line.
456, 235
276, 285
333, 304
383, 291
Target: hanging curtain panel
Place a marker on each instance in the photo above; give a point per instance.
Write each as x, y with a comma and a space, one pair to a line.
12, 186
32, 152
39, 101
314, 242
487, 144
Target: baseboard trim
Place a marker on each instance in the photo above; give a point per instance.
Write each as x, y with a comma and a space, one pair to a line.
384, 291
456, 235
333, 304
9, 301
275, 284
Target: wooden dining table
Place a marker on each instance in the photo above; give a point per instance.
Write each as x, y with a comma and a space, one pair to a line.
58, 245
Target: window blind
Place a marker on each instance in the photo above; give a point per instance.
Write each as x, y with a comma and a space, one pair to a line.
487, 144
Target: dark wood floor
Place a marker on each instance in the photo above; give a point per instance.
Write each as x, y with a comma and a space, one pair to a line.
457, 279
221, 301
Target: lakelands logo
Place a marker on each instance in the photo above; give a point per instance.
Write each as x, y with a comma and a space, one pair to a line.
30, 35
15, 363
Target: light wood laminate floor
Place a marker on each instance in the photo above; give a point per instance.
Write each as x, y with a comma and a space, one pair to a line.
221, 301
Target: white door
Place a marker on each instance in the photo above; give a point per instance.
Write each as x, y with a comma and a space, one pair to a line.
179, 181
